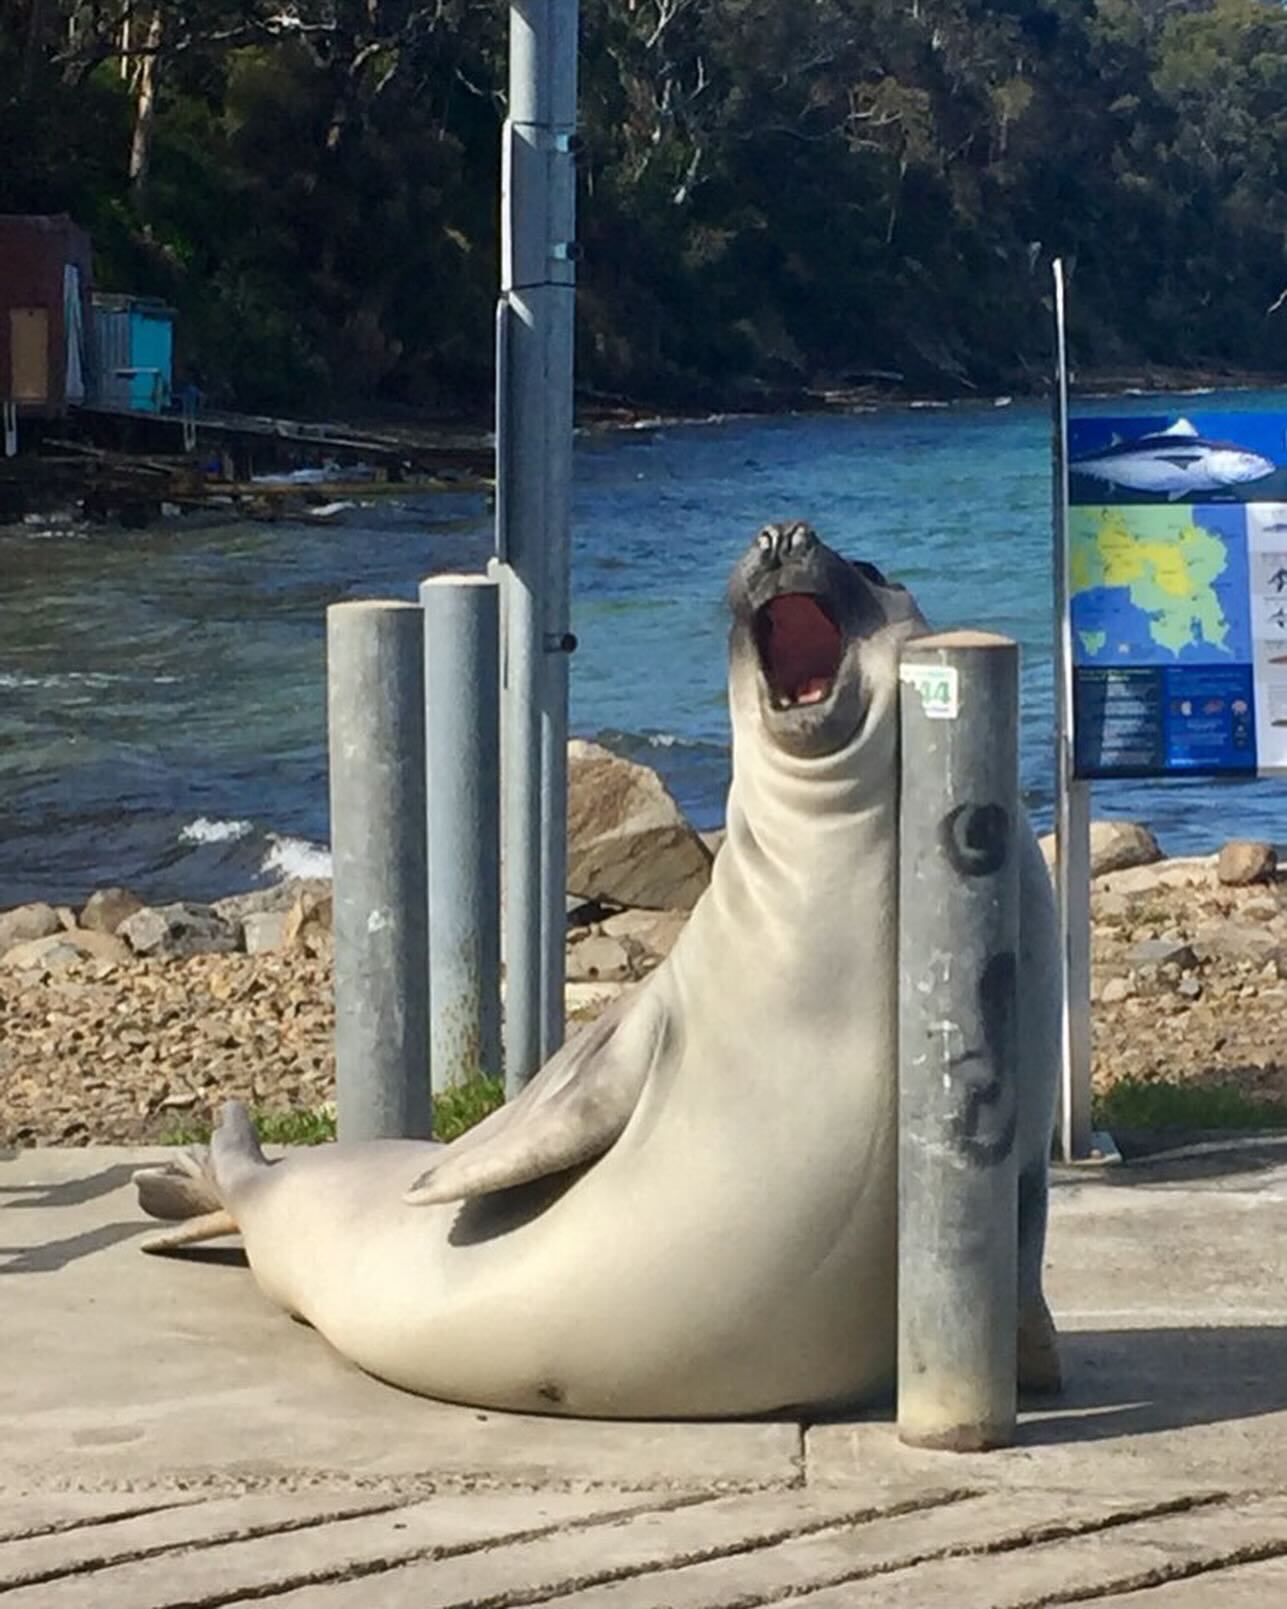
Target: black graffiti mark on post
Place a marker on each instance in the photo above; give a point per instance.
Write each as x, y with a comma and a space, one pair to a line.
996, 1013
976, 838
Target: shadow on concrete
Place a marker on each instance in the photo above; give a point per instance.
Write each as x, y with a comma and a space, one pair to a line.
1156, 1157
1122, 1383
1137, 1382
51, 1255
70, 1192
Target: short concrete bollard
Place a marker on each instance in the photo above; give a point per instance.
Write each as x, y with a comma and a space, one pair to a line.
958, 947
462, 758
375, 696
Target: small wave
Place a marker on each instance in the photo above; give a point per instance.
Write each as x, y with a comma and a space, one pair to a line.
204, 830
13, 680
296, 857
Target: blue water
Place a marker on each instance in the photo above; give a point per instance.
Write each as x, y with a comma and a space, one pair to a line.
162, 697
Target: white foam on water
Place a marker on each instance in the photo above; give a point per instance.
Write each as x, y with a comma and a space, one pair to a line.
296, 857
206, 831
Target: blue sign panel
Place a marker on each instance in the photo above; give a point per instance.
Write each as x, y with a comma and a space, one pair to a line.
1177, 583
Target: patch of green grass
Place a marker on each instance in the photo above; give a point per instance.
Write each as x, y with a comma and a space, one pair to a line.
460, 1107
1138, 1103
454, 1111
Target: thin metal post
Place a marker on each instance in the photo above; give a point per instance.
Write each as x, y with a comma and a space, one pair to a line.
958, 948
375, 686
11, 429
462, 766
533, 472
1072, 801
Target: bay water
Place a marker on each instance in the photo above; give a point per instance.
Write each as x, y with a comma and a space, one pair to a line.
162, 692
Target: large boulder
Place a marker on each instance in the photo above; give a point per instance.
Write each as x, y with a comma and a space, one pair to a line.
107, 908
1245, 860
628, 841
178, 930
26, 922
57, 950
1114, 846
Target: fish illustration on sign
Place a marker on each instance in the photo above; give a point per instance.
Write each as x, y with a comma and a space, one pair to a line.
1173, 463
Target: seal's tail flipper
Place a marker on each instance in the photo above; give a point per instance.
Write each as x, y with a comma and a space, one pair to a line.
189, 1190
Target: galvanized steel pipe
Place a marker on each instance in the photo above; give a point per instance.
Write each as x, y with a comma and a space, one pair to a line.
375, 697
462, 760
958, 960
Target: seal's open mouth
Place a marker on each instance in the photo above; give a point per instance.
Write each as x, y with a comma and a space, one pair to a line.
800, 649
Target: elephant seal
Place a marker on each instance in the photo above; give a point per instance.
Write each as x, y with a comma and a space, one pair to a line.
690, 1211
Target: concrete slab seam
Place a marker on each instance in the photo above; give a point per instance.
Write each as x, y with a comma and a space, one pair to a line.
543, 1592
231, 1483
231, 1533
80, 1522
1161, 1575
355, 1571
1028, 1536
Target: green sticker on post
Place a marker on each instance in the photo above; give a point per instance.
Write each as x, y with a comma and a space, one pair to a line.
939, 687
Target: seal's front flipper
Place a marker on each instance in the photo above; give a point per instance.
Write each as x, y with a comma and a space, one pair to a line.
570, 1113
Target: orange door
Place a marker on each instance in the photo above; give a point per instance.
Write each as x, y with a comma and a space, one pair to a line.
29, 354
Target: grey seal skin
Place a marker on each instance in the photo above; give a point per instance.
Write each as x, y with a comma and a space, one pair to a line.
691, 1210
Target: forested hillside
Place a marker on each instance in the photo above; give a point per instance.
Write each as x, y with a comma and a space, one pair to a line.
776, 193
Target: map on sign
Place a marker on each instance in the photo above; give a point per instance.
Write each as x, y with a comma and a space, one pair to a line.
1177, 582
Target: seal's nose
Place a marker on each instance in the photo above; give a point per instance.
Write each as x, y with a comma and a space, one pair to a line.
778, 543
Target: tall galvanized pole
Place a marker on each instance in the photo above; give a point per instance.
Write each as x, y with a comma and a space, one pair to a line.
958, 1208
1072, 800
375, 697
462, 763
533, 471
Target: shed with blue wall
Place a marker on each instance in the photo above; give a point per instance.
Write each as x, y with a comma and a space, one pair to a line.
134, 353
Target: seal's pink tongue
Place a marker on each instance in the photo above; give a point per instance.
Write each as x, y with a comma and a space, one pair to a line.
801, 646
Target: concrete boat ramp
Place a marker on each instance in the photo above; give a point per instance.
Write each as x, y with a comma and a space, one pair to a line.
170, 1441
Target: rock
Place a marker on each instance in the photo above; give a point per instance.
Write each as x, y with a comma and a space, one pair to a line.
1190, 988
655, 931
714, 840
235, 908
26, 922
308, 924
628, 841
1244, 860
1229, 941
1111, 907
1116, 990
1114, 846
177, 930
600, 958
52, 953
263, 930
1190, 871
1263, 908
107, 908
1161, 953
66, 916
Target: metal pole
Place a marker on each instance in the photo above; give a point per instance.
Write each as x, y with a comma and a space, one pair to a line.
958, 947
534, 452
1072, 801
375, 684
462, 766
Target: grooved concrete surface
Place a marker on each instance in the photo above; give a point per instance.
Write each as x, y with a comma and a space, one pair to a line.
170, 1441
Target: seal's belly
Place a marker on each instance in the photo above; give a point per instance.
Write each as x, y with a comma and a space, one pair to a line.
651, 1287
